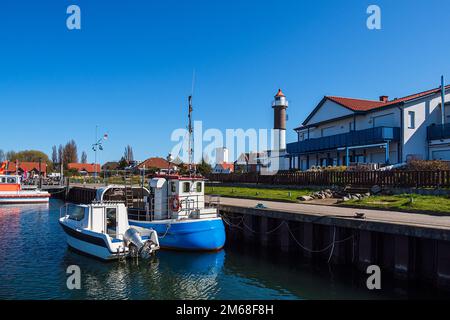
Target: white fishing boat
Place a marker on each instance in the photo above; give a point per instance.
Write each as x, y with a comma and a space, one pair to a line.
11, 192
101, 230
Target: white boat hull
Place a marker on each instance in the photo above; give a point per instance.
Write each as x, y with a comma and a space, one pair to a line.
91, 249
7, 197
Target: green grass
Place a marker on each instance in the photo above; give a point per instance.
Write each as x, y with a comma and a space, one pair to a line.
405, 202
259, 193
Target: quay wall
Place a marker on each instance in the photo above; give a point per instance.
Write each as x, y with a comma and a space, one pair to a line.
403, 252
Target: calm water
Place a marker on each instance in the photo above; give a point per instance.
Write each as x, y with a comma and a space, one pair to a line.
34, 257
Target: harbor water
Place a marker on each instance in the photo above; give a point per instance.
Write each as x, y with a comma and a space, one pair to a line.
34, 258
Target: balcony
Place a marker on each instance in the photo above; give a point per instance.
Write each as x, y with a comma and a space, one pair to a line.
349, 139
438, 132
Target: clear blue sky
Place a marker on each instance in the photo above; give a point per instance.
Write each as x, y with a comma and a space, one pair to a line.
129, 68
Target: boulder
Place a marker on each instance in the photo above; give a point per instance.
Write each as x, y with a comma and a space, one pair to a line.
305, 198
343, 199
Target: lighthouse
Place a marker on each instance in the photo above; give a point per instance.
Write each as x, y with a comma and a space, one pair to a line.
279, 106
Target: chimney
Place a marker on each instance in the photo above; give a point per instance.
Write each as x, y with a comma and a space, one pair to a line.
384, 99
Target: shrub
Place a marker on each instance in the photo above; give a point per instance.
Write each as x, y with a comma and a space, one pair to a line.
427, 165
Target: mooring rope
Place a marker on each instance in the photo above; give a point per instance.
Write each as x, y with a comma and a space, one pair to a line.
331, 245
167, 230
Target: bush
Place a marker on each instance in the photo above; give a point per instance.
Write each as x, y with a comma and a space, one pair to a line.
427, 165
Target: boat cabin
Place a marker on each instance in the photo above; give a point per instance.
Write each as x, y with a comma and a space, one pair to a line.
10, 183
178, 197
103, 217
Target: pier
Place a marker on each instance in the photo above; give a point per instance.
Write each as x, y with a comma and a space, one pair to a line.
408, 246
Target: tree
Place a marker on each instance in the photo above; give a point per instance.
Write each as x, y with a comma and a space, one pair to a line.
10, 155
123, 163
29, 156
60, 154
128, 154
54, 155
204, 168
83, 157
70, 153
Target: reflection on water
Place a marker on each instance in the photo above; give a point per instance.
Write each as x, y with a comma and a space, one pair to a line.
34, 258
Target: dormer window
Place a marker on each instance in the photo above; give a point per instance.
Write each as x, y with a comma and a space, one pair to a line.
411, 120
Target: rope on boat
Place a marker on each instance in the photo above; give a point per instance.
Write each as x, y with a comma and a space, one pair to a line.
165, 233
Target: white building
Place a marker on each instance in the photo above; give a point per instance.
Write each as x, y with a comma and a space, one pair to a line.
340, 131
221, 155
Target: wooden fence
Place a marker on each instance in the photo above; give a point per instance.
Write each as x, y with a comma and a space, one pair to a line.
417, 179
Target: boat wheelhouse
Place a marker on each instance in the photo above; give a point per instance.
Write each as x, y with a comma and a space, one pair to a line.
101, 229
11, 192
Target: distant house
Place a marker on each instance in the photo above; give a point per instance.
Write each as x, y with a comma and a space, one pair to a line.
31, 168
111, 165
223, 168
156, 163
250, 162
85, 168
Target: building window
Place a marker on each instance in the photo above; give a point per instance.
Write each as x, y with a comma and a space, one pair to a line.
411, 120
11, 180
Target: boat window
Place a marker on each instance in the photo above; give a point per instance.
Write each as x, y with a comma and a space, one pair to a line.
173, 187
11, 180
199, 187
76, 213
3, 180
186, 186
111, 221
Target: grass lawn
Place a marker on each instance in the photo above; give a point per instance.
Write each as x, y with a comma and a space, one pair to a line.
257, 193
439, 204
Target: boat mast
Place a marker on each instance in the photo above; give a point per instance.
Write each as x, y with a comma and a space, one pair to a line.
190, 144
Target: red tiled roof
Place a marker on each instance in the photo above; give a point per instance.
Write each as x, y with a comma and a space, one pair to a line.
366, 105
27, 166
226, 165
159, 163
88, 167
280, 93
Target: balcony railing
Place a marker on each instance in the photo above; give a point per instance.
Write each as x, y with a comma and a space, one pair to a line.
438, 132
349, 139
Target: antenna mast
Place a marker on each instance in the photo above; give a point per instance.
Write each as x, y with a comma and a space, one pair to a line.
190, 144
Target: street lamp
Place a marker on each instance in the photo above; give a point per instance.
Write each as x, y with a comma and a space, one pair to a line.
98, 145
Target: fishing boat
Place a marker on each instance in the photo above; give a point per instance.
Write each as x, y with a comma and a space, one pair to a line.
11, 191
101, 229
176, 209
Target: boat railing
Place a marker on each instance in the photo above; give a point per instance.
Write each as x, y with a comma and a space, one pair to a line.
169, 210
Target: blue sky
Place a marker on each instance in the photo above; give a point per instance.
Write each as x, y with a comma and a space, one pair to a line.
129, 68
